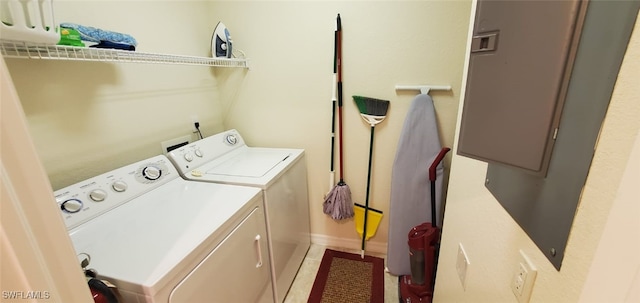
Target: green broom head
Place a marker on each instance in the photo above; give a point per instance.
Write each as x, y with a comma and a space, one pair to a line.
372, 110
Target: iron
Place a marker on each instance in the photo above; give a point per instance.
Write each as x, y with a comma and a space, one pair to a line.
221, 42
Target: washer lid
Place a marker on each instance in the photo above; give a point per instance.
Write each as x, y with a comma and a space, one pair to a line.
250, 163
143, 241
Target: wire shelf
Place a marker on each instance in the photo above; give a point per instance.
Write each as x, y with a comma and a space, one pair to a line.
19, 49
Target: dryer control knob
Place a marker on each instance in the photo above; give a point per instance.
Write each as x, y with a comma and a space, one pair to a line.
188, 157
231, 139
71, 205
98, 195
119, 186
151, 173
198, 153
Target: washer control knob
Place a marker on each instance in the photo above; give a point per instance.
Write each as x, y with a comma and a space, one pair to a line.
188, 157
119, 186
198, 153
71, 205
98, 195
231, 139
151, 173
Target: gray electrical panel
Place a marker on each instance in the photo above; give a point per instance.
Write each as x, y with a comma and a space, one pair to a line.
514, 116
521, 56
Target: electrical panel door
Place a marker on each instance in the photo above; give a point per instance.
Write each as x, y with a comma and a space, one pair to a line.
521, 57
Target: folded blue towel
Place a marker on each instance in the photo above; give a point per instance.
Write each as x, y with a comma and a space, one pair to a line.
93, 34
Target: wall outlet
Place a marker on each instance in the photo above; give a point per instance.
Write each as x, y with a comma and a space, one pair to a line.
524, 278
462, 263
194, 120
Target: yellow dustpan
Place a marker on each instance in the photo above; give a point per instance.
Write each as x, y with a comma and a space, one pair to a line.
374, 217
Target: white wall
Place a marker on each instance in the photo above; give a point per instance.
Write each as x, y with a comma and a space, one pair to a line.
285, 100
492, 238
90, 117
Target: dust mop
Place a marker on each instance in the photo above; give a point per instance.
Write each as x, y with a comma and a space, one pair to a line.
373, 111
338, 202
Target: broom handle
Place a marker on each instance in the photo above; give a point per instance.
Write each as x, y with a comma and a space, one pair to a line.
366, 201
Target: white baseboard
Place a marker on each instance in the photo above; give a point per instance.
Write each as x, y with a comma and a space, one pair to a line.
351, 244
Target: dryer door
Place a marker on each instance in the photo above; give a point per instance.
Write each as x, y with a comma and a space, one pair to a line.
237, 270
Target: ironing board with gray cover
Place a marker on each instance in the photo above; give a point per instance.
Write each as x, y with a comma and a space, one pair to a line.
410, 203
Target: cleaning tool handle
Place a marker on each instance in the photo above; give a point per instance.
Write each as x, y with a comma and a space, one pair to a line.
366, 204
432, 178
332, 175
434, 165
335, 51
366, 201
433, 203
340, 131
333, 121
339, 49
339, 80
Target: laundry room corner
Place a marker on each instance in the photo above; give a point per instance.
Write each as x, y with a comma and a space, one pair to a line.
285, 97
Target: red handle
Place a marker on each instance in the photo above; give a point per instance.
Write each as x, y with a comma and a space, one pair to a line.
432, 168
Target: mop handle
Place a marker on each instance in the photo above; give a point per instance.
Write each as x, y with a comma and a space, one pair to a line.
339, 70
333, 100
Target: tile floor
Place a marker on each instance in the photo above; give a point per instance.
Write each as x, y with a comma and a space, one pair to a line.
303, 283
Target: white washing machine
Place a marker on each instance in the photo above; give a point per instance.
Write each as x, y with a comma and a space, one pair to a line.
160, 238
282, 175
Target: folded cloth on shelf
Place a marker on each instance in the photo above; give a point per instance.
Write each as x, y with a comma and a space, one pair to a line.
107, 44
93, 34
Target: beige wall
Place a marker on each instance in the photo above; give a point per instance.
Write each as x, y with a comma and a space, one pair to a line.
90, 117
285, 100
492, 239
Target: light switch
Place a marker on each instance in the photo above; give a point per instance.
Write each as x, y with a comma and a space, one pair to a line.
462, 263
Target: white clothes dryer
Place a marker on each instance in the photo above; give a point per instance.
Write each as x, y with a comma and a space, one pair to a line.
281, 173
160, 238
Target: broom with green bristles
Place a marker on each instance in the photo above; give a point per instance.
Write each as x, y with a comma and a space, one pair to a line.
373, 111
